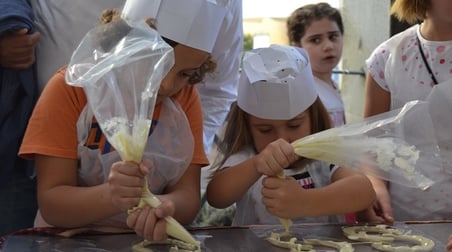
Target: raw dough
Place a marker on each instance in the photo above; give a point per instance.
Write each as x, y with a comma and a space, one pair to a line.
385, 237
176, 246
306, 244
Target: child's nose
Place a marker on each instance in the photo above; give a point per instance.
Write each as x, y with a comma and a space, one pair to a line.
328, 45
284, 135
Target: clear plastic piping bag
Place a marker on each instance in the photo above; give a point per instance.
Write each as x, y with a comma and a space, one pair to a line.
440, 104
395, 146
120, 66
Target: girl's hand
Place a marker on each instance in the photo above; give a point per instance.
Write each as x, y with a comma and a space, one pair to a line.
279, 195
449, 244
150, 222
275, 157
126, 181
381, 210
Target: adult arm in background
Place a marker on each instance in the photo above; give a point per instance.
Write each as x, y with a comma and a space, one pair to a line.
17, 49
18, 39
18, 90
377, 101
219, 89
18, 94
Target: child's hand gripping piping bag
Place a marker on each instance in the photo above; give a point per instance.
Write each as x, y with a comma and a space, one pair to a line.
173, 227
287, 223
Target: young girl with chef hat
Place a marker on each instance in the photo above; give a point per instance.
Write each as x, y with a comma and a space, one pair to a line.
278, 104
82, 180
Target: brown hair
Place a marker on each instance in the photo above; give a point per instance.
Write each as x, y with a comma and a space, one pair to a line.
410, 11
300, 19
115, 28
237, 134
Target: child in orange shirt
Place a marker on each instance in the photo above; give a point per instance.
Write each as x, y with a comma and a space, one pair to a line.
81, 178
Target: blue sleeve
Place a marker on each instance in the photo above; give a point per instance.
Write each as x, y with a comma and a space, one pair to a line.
15, 14
18, 94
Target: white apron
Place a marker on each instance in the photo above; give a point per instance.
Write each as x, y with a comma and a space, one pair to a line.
170, 147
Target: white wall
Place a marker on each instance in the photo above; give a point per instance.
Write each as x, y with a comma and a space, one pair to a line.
366, 25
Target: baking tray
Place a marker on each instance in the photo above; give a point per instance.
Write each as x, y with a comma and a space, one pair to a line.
250, 238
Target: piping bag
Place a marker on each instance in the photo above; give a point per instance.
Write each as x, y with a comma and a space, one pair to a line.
120, 66
394, 146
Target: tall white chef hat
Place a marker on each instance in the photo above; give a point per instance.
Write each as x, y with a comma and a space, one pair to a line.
276, 82
194, 23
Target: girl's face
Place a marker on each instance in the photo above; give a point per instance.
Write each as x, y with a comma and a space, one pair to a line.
265, 131
323, 43
187, 63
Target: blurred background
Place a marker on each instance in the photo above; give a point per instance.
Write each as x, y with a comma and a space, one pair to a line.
367, 23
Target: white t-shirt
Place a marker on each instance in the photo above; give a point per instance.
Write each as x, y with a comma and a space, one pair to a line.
250, 210
332, 100
397, 66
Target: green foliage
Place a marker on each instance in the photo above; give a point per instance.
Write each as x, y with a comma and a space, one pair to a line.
247, 42
209, 216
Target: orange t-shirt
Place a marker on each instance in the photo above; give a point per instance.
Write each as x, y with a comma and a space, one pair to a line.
52, 129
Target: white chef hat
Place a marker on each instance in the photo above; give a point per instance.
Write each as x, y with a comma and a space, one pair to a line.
194, 23
276, 82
